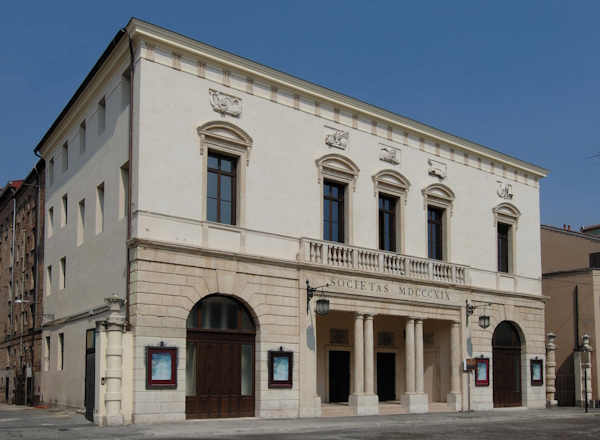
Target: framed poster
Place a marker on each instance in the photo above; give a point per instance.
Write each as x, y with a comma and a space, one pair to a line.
161, 367
537, 372
482, 372
281, 365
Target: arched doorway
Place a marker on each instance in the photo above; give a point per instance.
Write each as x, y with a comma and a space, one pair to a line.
219, 360
507, 366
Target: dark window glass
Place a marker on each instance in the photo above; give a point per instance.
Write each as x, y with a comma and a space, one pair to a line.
595, 259
506, 335
387, 223
503, 247
333, 212
434, 233
220, 203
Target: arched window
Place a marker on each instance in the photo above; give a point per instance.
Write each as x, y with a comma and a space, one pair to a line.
506, 336
220, 313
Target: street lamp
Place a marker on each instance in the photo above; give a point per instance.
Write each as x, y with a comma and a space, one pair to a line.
322, 303
28, 301
484, 320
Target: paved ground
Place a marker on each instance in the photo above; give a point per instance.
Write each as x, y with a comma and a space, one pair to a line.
571, 423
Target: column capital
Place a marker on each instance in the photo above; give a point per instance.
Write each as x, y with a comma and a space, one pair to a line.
369, 317
419, 320
454, 323
410, 319
358, 315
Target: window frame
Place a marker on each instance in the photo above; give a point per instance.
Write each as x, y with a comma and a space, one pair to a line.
502, 232
220, 173
508, 215
341, 210
390, 183
439, 225
439, 196
225, 138
340, 170
392, 213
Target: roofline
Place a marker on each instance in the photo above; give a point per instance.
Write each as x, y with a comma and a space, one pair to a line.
82, 87
188, 45
566, 231
140, 28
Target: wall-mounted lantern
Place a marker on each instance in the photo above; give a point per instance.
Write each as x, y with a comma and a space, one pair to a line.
484, 320
322, 303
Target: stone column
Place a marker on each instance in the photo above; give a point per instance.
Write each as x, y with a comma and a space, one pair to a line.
361, 403
369, 363
419, 386
414, 399
454, 397
410, 356
115, 326
358, 377
551, 371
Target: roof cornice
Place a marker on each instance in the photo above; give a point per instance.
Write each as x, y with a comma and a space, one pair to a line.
184, 45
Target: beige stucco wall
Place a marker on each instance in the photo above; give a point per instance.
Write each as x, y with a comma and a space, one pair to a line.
565, 250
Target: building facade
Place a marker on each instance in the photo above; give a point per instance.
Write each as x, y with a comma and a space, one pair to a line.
571, 281
21, 308
220, 201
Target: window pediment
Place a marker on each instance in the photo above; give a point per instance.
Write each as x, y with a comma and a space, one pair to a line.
338, 167
439, 195
227, 136
391, 182
506, 213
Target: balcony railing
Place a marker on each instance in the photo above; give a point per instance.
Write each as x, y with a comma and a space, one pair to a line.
340, 255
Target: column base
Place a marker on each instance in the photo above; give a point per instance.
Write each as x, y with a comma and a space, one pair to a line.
454, 401
551, 403
415, 403
364, 404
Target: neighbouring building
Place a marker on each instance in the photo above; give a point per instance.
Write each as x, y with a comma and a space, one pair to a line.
208, 197
21, 308
571, 281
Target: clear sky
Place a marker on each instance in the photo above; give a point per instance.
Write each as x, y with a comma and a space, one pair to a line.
520, 77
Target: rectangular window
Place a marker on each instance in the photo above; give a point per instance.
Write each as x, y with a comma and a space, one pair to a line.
65, 157
124, 191
47, 357
61, 350
503, 234
221, 186
82, 138
333, 211
434, 233
595, 259
387, 223
81, 222
63, 218
125, 89
101, 115
100, 208
63, 273
51, 171
50, 222
49, 280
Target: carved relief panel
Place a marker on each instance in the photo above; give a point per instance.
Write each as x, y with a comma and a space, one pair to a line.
225, 104
389, 154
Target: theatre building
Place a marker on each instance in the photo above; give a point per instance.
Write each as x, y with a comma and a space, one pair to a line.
269, 247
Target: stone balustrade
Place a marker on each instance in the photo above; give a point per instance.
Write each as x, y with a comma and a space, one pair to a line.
341, 255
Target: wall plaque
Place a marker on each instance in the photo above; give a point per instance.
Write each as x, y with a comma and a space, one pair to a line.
385, 339
339, 336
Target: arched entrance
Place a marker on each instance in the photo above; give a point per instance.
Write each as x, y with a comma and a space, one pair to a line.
219, 360
507, 366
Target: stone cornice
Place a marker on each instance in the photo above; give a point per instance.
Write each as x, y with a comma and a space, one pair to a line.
140, 30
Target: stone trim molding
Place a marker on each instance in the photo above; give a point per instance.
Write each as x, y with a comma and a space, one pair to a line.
338, 168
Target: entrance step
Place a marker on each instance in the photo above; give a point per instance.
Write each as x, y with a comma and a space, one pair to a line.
385, 409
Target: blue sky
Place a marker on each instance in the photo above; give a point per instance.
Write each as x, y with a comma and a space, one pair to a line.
521, 77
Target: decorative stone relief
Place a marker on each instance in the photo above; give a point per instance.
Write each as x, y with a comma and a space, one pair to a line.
385, 339
225, 104
339, 336
337, 139
505, 191
389, 154
437, 169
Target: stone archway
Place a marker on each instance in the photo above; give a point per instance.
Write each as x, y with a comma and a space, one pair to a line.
220, 359
506, 365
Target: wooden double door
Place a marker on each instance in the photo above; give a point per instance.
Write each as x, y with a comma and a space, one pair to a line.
507, 377
224, 386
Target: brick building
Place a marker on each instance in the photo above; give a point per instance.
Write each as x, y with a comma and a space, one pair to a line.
21, 272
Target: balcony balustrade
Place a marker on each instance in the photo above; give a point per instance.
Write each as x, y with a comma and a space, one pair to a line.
332, 254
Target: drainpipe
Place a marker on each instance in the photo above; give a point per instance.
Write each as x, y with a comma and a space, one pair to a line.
130, 174
12, 274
